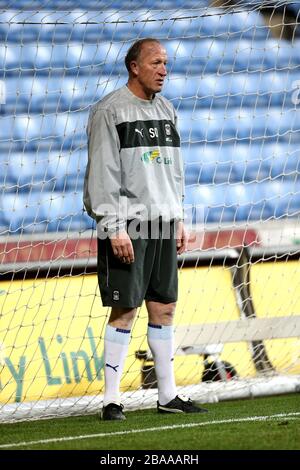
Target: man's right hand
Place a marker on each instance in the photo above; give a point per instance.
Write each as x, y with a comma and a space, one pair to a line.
122, 247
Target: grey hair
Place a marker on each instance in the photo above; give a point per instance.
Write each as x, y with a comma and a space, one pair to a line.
135, 50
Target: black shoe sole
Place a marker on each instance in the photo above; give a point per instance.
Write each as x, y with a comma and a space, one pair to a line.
175, 411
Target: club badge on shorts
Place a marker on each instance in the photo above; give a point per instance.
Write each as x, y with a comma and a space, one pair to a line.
116, 295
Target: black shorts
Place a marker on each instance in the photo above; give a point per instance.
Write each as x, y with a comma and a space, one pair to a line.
152, 276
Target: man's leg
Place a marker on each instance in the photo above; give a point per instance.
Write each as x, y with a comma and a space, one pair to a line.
116, 341
161, 342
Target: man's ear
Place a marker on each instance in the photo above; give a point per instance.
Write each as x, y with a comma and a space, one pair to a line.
134, 67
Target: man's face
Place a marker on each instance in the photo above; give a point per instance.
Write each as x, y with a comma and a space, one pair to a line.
151, 67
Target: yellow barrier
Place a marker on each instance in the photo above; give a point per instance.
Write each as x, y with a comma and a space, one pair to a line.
52, 330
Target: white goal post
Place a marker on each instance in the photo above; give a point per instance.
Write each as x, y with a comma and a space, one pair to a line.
233, 78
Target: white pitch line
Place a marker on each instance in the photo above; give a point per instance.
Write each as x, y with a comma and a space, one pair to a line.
161, 428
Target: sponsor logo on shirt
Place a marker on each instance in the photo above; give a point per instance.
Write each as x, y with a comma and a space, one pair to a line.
154, 156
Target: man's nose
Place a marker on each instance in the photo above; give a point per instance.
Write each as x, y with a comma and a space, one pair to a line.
163, 70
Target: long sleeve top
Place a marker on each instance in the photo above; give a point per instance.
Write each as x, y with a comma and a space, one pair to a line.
135, 168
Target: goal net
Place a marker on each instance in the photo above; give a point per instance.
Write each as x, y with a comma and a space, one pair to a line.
234, 81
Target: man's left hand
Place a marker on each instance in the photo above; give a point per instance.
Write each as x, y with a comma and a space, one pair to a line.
181, 238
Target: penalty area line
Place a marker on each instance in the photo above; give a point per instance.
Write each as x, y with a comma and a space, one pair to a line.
154, 429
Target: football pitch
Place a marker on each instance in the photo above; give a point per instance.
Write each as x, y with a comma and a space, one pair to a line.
269, 423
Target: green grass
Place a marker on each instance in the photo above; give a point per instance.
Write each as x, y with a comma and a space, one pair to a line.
204, 431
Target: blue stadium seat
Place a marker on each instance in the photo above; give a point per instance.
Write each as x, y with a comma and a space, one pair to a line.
3, 223
84, 33
40, 58
9, 146
283, 54
17, 26
193, 57
9, 59
48, 26
45, 131
250, 90
212, 22
54, 4
25, 94
122, 26
44, 211
211, 55
206, 164
203, 126
96, 58
38, 4
51, 98
17, 33
130, 24
283, 198
56, 94
68, 169
283, 124
7, 184
241, 89
147, 4
30, 172
46, 171
219, 125
72, 129
81, 92
247, 56
250, 162
7, 124
248, 201
199, 165
64, 212
182, 91
265, 89
243, 24
259, 124
191, 127
22, 213
56, 27
207, 204
284, 160
97, 5
217, 90
242, 202
36, 130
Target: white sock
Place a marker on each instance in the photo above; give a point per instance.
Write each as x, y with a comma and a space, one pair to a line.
161, 343
116, 341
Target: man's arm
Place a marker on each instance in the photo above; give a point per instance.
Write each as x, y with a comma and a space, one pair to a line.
103, 183
181, 235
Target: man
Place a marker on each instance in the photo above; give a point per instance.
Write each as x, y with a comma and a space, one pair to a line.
135, 161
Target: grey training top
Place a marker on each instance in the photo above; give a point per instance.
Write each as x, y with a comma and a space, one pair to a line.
135, 168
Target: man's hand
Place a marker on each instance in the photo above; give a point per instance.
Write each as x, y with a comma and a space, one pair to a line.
122, 247
181, 238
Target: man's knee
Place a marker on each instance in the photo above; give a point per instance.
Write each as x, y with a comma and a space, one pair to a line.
169, 310
161, 314
122, 317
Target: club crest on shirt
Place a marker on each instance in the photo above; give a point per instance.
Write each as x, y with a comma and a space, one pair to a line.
168, 129
168, 132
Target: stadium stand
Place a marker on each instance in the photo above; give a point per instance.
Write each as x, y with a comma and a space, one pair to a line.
232, 91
